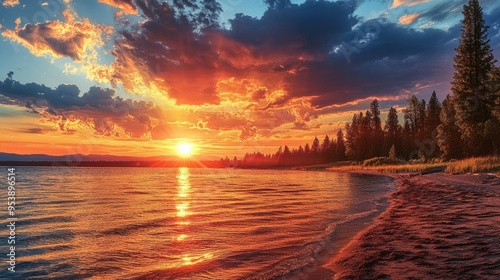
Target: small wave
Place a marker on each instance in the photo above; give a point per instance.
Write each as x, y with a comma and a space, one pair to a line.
130, 228
310, 254
293, 185
48, 220
135, 192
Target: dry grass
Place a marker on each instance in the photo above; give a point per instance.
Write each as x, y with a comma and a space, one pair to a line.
474, 165
400, 168
471, 165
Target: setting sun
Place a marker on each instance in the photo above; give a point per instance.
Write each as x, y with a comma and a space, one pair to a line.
185, 150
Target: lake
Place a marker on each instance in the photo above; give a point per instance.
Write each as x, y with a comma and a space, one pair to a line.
182, 223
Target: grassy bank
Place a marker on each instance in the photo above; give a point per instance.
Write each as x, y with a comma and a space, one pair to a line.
474, 165
470, 165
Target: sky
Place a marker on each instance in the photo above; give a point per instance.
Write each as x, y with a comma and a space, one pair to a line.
125, 77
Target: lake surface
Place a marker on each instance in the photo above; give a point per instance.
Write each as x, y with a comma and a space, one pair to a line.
167, 223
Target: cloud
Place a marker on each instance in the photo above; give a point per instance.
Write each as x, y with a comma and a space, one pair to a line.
443, 11
72, 38
77, 39
35, 130
307, 60
397, 3
10, 3
408, 19
98, 110
171, 52
126, 5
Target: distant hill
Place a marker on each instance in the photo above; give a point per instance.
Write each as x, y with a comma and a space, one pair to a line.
79, 157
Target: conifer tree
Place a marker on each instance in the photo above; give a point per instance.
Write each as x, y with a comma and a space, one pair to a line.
341, 155
376, 126
448, 134
432, 121
472, 64
392, 129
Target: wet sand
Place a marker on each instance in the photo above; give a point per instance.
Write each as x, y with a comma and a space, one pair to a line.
438, 226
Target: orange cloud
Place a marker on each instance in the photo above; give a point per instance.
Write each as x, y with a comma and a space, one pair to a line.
408, 19
10, 3
397, 3
126, 5
78, 40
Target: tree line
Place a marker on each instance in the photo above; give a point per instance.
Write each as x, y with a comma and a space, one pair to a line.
465, 124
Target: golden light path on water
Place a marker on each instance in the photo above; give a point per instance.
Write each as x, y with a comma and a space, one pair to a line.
182, 206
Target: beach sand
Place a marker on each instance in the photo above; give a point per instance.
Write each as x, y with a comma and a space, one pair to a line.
438, 226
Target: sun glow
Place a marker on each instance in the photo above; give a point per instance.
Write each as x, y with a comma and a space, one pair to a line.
185, 150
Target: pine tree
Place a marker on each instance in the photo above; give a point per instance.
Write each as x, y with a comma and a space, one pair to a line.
340, 154
432, 121
315, 147
448, 134
407, 140
307, 150
414, 114
352, 138
494, 89
432, 113
392, 129
376, 126
325, 145
286, 156
473, 62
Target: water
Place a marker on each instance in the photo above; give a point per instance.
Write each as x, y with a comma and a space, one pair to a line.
161, 223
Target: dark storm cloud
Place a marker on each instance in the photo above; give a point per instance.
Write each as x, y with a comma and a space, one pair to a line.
396, 58
311, 28
384, 57
98, 108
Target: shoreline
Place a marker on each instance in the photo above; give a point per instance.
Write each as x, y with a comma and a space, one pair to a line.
436, 225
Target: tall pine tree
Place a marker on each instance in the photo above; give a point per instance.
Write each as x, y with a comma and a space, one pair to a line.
448, 134
392, 130
473, 62
432, 121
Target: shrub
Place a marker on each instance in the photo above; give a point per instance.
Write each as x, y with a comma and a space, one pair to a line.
382, 161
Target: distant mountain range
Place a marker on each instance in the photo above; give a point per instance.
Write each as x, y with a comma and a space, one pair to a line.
80, 157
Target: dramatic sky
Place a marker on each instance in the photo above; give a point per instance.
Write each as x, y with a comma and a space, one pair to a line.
127, 77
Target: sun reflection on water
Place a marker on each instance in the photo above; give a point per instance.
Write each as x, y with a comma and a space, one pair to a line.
182, 206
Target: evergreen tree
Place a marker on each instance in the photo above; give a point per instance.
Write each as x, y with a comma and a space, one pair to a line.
286, 155
300, 151
414, 114
473, 62
407, 140
376, 126
307, 150
315, 147
432, 121
448, 134
432, 113
392, 129
494, 89
325, 146
352, 138
367, 143
340, 154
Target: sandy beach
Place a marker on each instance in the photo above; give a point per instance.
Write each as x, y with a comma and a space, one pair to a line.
438, 226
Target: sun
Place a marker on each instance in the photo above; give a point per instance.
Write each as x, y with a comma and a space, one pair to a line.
185, 149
